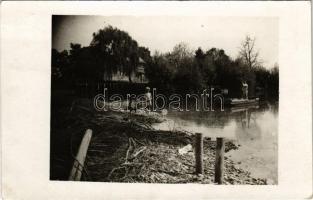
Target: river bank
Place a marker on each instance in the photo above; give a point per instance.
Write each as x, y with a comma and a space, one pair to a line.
125, 148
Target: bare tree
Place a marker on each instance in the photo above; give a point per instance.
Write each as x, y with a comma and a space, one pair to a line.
248, 53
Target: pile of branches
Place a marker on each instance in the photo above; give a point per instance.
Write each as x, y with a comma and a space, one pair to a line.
125, 148
146, 162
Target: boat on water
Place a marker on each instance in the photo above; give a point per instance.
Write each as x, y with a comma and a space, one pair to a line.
242, 102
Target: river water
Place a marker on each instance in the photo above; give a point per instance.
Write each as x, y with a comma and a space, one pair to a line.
254, 129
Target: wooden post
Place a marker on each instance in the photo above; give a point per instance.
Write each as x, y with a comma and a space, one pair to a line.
78, 164
219, 160
199, 153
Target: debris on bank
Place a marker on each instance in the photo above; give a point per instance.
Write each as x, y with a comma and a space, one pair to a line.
125, 148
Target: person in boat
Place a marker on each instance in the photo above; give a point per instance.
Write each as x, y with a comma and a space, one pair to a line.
148, 98
245, 90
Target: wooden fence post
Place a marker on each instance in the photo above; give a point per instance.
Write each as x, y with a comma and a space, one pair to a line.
78, 163
219, 160
199, 153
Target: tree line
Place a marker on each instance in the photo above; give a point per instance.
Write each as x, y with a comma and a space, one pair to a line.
181, 70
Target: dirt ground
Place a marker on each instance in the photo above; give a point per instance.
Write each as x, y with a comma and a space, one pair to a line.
125, 148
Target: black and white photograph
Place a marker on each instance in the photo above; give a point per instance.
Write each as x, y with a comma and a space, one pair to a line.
152, 100
164, 99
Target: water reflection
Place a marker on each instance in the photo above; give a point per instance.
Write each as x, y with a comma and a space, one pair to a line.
254, 128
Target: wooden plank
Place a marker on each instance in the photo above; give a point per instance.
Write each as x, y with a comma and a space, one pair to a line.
199, 153
219, 160
79, 161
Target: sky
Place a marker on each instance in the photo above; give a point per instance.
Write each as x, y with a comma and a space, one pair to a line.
162, 33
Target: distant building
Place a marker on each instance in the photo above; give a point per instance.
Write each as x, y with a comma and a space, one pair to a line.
137, 76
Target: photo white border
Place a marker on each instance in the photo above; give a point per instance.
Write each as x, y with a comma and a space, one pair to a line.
25, 100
